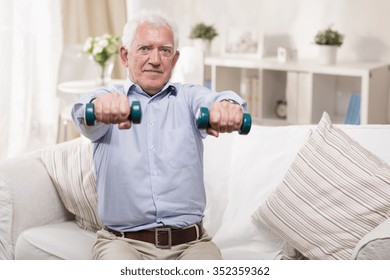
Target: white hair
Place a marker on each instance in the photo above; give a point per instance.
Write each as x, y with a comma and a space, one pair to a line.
153, 17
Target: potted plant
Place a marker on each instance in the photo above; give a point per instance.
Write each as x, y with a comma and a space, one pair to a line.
329, 40
202, 35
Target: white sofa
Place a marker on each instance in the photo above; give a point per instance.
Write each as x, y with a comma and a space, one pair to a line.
240, 174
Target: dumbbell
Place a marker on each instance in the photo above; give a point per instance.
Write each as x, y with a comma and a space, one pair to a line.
203, 117
135, 113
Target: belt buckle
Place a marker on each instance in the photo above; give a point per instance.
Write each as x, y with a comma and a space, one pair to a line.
156, 240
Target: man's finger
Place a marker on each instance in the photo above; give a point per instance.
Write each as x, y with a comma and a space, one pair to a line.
124, 125
212, 132
124, 111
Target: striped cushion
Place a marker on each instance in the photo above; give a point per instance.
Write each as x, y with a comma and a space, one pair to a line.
334, 193
70, 166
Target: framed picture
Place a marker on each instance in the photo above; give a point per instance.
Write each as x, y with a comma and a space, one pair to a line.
242, 42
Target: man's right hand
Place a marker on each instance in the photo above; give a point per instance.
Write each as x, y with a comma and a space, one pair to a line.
113, 108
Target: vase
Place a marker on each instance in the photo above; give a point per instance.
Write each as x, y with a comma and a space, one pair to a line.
105, 72
327, 54
204, 45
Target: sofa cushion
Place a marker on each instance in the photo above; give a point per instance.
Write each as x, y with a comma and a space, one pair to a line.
375, 245
334, 193
70, 166
61, 241
25, 189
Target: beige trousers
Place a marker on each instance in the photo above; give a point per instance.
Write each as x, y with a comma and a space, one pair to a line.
111, 247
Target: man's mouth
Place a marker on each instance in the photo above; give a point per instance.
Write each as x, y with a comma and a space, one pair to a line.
153, 71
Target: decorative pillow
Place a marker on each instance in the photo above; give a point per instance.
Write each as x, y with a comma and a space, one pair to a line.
70, 166
334, 193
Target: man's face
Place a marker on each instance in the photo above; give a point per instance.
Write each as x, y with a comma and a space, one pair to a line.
151, 57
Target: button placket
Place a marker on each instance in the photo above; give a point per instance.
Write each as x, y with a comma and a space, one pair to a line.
151, 150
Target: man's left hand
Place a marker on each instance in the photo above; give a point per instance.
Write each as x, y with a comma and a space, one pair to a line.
224, 117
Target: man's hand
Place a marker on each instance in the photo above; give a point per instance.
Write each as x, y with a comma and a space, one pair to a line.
113, 108
224, 117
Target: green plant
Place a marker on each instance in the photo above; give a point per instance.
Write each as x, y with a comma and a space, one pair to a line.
203, 31
329, 37
101, 48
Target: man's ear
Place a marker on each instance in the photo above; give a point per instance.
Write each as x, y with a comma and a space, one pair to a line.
175, 58
123, 52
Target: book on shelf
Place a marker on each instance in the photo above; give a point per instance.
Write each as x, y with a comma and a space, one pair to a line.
352, 116
299, 99
249, 90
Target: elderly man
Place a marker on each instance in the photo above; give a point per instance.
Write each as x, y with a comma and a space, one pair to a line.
151, 194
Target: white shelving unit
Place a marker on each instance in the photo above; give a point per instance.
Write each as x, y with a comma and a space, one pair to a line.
308, 87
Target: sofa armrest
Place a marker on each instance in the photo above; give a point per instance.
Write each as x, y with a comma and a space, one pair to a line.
375, 245
28, 198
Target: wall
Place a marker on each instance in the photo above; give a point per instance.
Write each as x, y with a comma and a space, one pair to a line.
365, 23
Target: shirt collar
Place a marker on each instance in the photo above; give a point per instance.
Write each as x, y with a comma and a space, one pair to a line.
169, 88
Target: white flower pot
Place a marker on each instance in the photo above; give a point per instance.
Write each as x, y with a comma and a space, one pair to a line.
204, 45
327, 54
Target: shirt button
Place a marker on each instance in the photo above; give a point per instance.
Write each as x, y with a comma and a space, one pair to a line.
154, 172
151, 123
152, 148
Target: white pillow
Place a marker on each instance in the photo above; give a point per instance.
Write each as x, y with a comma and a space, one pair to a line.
70, 166
240, 171
334, 193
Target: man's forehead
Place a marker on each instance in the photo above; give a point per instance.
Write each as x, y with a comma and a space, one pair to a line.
155, 35
153, 40
155, 29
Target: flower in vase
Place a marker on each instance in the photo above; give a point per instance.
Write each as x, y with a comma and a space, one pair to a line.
102, 49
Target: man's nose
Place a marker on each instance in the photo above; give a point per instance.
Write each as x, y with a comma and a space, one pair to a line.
154, 57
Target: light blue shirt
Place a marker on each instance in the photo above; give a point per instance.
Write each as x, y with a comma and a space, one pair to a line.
151, 175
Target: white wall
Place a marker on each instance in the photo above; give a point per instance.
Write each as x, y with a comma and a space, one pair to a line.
365, 23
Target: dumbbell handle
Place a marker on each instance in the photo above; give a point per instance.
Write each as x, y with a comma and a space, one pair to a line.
203, 117
135, 113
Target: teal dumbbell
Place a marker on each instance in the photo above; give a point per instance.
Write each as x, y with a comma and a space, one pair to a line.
203, 117
135, 113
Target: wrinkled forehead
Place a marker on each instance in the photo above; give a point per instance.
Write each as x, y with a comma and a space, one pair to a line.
153, 34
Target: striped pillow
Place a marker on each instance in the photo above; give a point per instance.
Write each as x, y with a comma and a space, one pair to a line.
334, 193
70, 166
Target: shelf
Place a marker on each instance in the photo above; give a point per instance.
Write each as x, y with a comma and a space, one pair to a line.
271, 63
340, 68
233, 62
308, 87
273, 122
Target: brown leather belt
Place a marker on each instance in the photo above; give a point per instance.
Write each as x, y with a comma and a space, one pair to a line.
163, 237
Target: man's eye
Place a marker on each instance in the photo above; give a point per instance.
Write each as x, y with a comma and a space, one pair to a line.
144, 49
166, 51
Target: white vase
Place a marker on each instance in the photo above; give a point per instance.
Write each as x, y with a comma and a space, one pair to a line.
105, 72
327, 54
204, 45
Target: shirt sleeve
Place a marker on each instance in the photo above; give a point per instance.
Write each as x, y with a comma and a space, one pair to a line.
200, 96
78, 115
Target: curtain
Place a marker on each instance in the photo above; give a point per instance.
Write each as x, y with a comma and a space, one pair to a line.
32, 36
30, 44
85, 18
